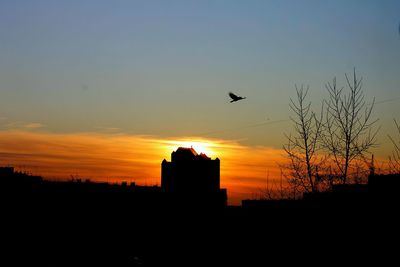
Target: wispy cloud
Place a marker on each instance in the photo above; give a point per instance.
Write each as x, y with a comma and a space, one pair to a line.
108, 129
116, 157
21, 125
34, 125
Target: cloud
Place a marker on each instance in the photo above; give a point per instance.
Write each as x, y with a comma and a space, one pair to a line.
20, 125
117, 157
33, 125
108, 129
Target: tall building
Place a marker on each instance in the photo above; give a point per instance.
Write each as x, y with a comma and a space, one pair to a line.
190, 173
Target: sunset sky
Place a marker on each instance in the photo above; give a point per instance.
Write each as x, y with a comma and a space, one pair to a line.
107, 89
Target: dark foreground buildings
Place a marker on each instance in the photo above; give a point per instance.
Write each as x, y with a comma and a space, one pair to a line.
379, 194
190, 181
80, 223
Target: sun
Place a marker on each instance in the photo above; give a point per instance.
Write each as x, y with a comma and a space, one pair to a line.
201, 146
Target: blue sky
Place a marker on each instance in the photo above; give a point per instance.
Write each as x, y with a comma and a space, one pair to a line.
164, 68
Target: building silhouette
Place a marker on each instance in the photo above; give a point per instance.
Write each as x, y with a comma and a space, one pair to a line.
189, 181
193, 176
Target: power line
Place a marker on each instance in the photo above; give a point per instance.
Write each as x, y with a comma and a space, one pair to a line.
278, 121
388, 100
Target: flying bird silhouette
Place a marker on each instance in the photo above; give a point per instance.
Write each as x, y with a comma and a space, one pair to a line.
235, 97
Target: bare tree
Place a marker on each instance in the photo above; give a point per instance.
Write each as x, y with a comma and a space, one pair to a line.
277, 190
348, 127
394, 159
301, 148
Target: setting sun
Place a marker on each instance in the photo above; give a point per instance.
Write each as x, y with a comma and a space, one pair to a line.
199, 145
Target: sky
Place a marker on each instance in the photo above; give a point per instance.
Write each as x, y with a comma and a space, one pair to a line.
93, 74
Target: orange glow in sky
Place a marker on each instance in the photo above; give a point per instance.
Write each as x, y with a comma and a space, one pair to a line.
207, 147
134, 158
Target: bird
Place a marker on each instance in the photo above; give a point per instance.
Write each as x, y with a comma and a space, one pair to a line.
235, 97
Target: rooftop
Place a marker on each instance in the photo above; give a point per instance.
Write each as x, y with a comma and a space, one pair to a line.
188, 153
